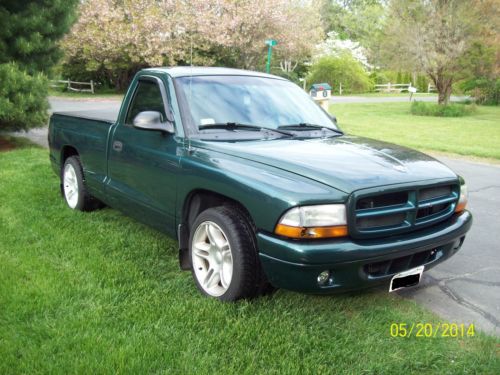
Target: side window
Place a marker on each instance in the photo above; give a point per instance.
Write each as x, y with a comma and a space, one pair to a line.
147, 97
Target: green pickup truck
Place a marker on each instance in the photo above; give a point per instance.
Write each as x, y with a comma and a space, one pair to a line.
259, 185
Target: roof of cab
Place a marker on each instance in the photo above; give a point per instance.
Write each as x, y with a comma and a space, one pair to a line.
186, 71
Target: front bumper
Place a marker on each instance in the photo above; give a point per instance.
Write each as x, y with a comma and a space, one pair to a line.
357, 264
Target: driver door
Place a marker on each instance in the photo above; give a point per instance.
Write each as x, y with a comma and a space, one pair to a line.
143, 164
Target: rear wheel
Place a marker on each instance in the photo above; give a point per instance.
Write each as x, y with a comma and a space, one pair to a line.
73, 186
223, 254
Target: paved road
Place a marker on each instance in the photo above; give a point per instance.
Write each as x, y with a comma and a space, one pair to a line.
466, 288
62, 105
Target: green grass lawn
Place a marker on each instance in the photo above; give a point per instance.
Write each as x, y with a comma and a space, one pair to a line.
476, 135
100, 293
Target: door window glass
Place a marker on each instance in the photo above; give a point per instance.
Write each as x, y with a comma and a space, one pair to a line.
147, 97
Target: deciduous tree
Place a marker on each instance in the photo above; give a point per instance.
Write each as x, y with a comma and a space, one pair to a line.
431, 36
121, 37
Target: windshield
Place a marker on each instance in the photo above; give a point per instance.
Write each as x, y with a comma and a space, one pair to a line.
256, 101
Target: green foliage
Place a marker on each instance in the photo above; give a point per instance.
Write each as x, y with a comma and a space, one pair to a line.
358, 20
440, 110
422, 83
343, 69
484, 90
23, 99
480, 74
399, 78
30, 29
379, 77
407, 77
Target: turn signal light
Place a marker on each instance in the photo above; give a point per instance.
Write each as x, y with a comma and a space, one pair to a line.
464, 197
311, 232
461, 206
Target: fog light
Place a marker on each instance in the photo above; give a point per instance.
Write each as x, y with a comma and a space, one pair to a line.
324, 277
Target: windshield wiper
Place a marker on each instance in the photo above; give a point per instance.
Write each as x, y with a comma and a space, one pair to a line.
236, 125
304, 126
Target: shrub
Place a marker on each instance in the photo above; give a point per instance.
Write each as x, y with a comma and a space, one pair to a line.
23, 99
379, 77
484, 90
422, 83
439, 110
343, 69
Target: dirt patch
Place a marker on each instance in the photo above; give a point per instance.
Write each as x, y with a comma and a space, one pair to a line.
6, 145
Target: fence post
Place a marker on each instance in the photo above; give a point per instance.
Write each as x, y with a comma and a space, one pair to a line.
92, 86
340, 88
389, 87
428, 88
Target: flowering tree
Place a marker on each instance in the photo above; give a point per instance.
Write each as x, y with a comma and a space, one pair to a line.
334, 46
120, 37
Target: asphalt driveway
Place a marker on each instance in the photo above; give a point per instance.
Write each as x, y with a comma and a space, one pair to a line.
466, 288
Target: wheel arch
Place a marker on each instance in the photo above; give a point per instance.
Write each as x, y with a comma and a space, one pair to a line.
196, 202
66, 152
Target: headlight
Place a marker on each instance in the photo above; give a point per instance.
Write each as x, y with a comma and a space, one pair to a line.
464, 196
322, 221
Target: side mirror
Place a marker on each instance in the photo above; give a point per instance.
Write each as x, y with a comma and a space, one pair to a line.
152, 120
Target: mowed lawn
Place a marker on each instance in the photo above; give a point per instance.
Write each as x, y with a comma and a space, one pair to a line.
100, 293
476, 135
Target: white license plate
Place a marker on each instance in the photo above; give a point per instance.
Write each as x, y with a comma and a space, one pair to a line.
406, 279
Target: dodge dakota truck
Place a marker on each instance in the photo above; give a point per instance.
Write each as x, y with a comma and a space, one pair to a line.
259, 185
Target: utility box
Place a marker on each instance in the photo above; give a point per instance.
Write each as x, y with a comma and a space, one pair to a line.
321, 92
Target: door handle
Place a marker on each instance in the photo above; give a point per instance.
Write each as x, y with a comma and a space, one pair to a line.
117, 146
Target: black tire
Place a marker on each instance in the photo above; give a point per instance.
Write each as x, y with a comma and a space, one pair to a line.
246, 281
84, 201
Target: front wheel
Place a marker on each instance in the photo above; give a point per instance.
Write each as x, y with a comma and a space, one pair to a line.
223, 255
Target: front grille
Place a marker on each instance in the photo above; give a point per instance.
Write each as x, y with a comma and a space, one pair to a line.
393, 266
399, 210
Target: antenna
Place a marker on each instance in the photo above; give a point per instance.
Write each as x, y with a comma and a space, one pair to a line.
190, 75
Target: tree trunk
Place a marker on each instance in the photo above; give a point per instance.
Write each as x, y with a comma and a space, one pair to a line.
443, 87
444, 93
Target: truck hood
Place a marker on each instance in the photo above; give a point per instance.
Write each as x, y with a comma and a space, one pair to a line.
346, 163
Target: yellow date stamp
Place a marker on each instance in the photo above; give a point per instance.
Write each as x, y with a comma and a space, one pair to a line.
430, 330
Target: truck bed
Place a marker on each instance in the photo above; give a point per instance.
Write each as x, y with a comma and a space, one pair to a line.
86, 132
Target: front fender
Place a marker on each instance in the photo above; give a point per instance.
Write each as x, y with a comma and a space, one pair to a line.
266, 192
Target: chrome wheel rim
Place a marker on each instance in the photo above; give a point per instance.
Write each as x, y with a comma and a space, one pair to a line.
212, 258
70, 184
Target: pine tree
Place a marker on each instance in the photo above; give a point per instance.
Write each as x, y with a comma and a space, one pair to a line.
399, 78
29, 33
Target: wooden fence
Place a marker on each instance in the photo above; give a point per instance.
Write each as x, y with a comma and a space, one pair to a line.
70, 85
393, 87
398, 87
